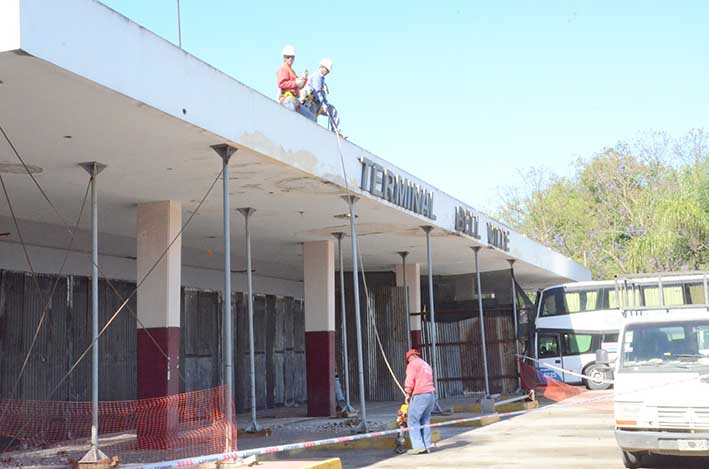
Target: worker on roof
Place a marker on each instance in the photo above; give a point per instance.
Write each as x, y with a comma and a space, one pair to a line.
420, 398
315, 95
290, 84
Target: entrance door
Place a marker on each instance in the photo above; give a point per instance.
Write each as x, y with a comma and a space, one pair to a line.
549, 353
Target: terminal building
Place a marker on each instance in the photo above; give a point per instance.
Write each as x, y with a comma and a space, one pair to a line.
113, 93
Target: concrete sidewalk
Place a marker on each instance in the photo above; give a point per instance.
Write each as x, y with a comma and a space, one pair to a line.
291, 424
554, 437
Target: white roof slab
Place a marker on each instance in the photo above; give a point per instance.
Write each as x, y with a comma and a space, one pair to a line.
150, 111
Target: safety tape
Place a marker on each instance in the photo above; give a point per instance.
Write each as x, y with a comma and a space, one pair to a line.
235, 455
568, 372
514, 399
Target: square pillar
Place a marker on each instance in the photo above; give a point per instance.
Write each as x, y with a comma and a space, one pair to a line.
319, 286
159, 312
413, 281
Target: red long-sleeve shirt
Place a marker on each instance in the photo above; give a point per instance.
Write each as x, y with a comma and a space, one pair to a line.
286, 79
419, 378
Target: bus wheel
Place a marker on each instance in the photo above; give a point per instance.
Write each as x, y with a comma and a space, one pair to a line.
600, 373
632, 460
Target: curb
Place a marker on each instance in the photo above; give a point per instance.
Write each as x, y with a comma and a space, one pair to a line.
485, 420
512, 407
373, 443
332, 463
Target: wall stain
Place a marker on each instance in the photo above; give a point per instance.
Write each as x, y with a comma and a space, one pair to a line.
303, 160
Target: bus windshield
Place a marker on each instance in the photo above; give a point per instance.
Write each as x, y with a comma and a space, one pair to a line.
672, 346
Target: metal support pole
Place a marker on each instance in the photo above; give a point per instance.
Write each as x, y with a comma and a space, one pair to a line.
253, 427
486, 399
662, 290
346, 371
432, 311
403, 255
351, 200
516, 322
225, 152
706, 291
94, 455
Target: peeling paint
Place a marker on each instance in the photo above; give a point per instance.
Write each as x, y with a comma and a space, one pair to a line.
307, 185
303, 160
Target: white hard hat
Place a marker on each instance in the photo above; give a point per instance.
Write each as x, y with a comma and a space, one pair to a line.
289, 51
327, 63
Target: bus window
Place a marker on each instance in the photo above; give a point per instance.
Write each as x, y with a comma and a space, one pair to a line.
549, 303
673, 295
576, 344
548, 346
573, 302
612, 296
695, 294
610, 342
610, 338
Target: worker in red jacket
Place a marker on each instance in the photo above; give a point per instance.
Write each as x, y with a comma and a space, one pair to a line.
290, 84
420, 398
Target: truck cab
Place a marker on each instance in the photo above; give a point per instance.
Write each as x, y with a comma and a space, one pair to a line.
661, 401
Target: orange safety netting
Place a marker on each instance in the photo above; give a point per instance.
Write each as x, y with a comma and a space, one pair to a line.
180, 426
557, 391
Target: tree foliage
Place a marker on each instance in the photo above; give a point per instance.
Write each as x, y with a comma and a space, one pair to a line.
632, 208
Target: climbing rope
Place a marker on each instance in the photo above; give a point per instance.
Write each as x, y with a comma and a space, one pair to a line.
361, 263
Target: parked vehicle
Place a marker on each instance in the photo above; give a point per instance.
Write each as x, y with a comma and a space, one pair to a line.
662, 374
574, 320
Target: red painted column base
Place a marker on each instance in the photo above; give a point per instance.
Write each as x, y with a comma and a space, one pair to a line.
157, 377
320, 373
416, 339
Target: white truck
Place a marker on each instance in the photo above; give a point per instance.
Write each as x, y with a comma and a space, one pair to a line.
661, 384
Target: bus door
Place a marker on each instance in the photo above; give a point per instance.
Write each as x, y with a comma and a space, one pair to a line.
549, 353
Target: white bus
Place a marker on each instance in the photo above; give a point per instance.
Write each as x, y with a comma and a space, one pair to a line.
574, 320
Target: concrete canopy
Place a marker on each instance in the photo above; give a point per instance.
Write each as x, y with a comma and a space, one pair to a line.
112, 92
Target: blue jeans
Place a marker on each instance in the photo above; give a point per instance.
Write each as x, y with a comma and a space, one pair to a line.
339, 397
420, 409
333, 118
293, 103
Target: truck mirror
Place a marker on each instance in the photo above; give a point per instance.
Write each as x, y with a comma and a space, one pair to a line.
602, 357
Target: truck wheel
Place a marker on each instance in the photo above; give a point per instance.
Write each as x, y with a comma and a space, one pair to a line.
601, 373
632, 460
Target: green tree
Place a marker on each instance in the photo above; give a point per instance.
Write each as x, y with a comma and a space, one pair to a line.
628, 209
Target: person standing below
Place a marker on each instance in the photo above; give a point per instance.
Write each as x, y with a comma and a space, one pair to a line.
420, 398
290, 84
316, 92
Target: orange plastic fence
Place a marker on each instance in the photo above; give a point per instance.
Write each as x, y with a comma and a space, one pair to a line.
179, 426
555, 390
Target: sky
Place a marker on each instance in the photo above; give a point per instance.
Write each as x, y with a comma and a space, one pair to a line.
466, 94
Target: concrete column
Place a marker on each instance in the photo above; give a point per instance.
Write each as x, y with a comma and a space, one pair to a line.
159, 312
413, 281
319, 286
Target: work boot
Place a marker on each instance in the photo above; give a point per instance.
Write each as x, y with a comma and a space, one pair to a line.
415, 451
